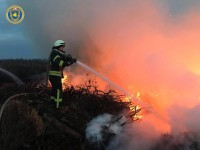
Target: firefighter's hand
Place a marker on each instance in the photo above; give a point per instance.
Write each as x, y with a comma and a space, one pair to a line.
69, 57
74, 60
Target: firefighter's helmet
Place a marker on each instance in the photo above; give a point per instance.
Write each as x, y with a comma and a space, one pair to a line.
59, 43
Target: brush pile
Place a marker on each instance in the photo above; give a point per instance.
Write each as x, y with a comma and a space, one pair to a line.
30, 121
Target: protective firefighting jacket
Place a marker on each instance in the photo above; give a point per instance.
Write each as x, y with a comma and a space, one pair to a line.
58, 60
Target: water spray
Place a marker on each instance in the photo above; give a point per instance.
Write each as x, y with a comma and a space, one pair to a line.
136, 100
132, 99
102, 77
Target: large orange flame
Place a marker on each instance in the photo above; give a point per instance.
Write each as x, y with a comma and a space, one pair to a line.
156, 53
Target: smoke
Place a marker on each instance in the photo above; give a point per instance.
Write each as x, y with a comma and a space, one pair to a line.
107, 132
110, 132
94, 128
47, 21
101, 127
137, 44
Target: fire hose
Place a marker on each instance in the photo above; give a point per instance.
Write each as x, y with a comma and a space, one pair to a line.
19, 83
8, 100
12, 76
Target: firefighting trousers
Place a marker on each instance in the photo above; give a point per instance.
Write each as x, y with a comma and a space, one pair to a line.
56, 91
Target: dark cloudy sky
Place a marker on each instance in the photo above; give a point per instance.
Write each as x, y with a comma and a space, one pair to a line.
16, 43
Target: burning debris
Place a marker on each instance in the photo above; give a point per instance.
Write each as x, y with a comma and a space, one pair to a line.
93, 104
83, 103
88, 118
104, 128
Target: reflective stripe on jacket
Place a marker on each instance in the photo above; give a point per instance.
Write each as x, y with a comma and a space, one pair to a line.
57, 62
55, 73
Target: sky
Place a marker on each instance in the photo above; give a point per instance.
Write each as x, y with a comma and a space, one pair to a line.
16, 42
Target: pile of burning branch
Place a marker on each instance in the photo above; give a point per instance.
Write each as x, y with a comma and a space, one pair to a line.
31, 121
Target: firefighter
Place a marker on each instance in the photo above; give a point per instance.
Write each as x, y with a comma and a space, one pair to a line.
58, 60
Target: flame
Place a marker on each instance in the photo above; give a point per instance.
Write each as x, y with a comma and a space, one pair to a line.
64, 81
135, 110
138, 95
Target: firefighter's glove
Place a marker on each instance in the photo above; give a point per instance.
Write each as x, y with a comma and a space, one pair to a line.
74, 60
68, 57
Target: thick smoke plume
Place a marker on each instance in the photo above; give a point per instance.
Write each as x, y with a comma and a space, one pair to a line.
137, 44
